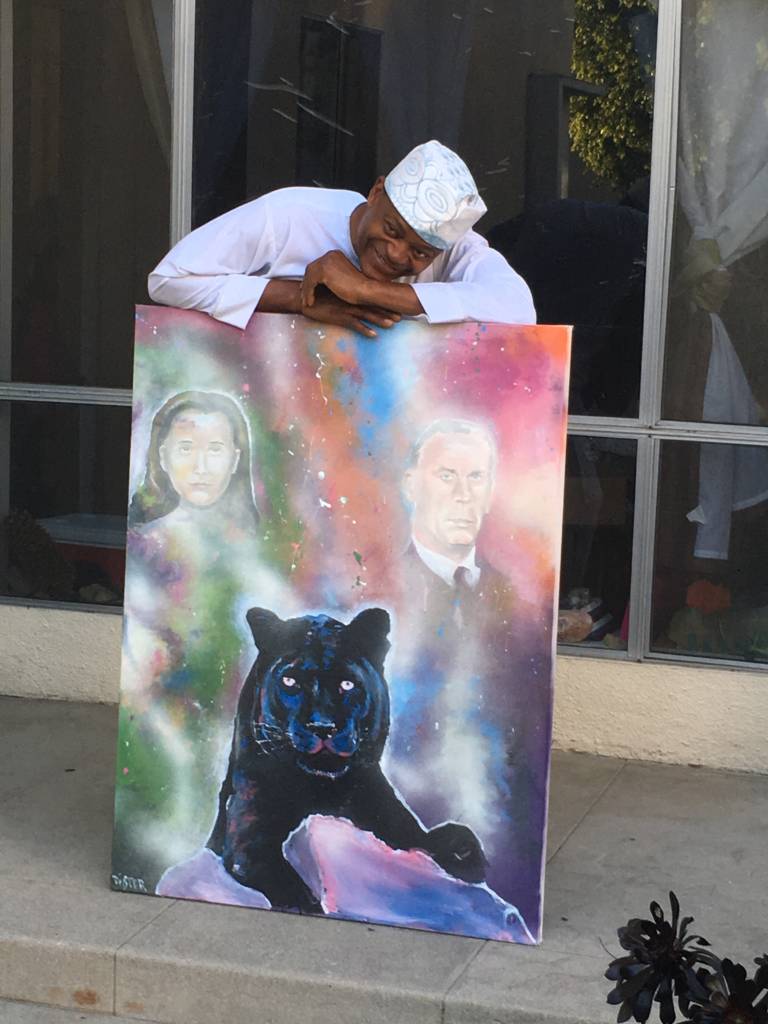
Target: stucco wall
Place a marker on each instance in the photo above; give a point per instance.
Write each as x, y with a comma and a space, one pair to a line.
65, 655
655, 712
659, 712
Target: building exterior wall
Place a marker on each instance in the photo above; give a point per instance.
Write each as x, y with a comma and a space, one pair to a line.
657, 712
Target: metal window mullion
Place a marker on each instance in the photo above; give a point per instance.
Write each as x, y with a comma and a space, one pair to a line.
183, 117
603, 426
63, 394
6, 185
706, 661
582, 650
6, 252
643, 543
661, 208
670, 430
712, 433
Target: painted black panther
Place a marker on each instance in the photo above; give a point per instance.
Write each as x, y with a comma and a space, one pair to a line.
311, 725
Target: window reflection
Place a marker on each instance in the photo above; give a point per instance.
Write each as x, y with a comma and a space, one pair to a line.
597, 542
585, 264
717, 367
334, 94
91, 182
64, 534
710, 594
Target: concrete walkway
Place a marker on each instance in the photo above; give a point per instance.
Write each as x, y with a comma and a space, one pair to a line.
621, 834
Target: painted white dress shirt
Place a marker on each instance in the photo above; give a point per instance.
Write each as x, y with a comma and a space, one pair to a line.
445, 568
223, 267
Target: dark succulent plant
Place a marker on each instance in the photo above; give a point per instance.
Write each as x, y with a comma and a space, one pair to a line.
730, 997
660, 966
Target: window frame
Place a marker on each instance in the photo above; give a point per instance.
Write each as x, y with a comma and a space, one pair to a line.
648, 429
179, 225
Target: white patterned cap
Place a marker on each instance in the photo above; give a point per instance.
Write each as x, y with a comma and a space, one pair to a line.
434, 192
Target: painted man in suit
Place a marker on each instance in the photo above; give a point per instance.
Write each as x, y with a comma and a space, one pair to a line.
466, 654
449, 486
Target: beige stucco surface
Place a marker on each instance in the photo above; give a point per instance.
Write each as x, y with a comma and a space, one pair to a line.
683, 714
677, 713
61, 654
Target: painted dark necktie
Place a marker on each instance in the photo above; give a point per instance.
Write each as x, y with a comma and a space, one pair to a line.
462, 595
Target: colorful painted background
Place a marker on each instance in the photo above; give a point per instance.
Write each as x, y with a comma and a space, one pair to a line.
331, 420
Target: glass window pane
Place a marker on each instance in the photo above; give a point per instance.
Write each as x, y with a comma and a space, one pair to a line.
716, 357
334, 93
65, 492
597, 542
710, 593
91, 173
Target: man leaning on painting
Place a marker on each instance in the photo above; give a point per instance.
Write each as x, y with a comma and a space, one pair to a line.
337, 257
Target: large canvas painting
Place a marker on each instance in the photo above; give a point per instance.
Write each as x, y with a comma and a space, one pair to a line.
336, 687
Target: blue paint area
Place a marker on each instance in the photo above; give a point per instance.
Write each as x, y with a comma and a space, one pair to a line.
389, 373
411, 695
347, 390
496, 764
179, 680
442, 904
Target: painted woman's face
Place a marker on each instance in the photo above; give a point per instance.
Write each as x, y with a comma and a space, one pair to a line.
199, 456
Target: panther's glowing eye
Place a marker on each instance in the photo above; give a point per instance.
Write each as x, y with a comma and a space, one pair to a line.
347, 685
289, 681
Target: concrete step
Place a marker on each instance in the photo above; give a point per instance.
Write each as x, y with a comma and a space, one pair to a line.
621, 834
34, 1013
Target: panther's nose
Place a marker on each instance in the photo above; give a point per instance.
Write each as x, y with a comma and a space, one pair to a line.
322, 727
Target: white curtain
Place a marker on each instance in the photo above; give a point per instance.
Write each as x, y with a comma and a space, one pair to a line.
722, 182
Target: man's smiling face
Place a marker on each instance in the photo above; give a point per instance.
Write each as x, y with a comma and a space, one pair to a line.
386, 246
450, 489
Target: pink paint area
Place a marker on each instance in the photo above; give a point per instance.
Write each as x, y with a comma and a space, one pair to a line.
357, 876
203, 877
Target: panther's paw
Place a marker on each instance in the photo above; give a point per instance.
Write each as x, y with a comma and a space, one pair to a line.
299, 900
457, 850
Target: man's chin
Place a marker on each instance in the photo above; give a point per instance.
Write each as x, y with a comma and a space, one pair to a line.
461, 541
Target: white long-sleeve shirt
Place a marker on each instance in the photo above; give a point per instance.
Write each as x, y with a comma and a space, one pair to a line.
223, 267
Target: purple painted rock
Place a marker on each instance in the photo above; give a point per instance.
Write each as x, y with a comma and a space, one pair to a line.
203, 877
357, 876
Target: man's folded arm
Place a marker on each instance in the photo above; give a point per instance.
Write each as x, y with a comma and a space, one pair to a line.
480, 285
215, 268
231, 298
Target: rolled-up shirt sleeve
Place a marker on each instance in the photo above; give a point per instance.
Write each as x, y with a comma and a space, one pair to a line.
476, 283
216, 267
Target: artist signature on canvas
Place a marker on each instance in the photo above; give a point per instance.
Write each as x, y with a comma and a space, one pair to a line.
127, 884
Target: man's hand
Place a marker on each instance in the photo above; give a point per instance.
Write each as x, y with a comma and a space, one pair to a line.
329, 309
338, 275
334, 272
282, 296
